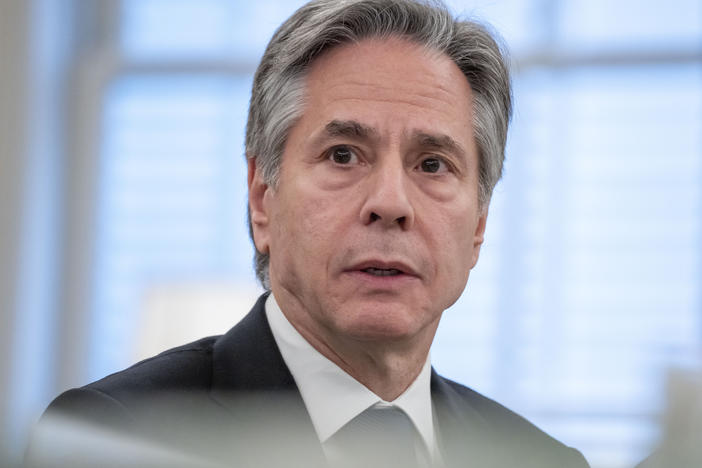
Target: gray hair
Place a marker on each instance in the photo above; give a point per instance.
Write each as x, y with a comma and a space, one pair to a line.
277, 97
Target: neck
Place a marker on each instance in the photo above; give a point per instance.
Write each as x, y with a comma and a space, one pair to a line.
385, 365
386, 372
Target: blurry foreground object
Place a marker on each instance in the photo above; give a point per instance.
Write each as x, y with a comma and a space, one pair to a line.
67, 442
681, 445
187, 432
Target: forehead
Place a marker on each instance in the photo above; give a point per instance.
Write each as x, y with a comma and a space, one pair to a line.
421, 85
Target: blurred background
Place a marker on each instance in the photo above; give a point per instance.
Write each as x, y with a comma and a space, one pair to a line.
123, 195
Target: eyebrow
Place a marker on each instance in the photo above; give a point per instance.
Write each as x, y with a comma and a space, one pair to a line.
350, 128
442, 142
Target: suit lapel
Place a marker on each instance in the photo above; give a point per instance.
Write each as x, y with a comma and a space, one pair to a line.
461, 430
247, 358
252, 382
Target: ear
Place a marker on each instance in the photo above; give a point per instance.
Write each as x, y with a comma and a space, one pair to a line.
479, 236
258, 209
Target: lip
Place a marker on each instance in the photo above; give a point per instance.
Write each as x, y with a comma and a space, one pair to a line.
402, 267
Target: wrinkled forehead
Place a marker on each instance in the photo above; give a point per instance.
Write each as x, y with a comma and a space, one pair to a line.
389, 82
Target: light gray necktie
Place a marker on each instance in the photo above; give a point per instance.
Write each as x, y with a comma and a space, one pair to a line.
378, 437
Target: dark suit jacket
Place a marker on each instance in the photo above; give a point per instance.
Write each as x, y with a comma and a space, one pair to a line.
232, 397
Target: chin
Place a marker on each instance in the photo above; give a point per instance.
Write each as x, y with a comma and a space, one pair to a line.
381, 325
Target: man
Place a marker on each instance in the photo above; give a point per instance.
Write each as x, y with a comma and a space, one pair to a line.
375, 137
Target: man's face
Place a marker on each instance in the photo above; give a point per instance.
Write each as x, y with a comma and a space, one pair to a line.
375, 224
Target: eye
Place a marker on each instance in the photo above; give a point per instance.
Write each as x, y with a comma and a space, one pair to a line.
343, 155
433, 165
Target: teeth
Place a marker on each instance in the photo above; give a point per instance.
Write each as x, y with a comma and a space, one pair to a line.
382, 272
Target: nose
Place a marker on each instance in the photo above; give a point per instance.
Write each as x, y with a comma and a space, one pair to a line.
387, 201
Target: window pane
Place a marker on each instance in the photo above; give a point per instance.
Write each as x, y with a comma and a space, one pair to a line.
630, 24
172, 199
201, 29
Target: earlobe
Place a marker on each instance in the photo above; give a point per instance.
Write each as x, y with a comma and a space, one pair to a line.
479, 237
258, 211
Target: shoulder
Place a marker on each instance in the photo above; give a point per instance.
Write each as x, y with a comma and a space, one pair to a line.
119, 397
187, 373
108, 415
184, 367
496, 415
513, 436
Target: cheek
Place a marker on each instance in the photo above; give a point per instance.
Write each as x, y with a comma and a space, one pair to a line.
308, 224
317, 217
454, 244
455, 255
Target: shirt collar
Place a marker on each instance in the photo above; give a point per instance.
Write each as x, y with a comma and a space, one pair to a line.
332, 397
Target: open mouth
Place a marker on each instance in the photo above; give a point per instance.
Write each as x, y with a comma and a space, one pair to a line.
382, 271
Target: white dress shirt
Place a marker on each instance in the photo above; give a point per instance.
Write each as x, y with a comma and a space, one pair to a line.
333, 398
